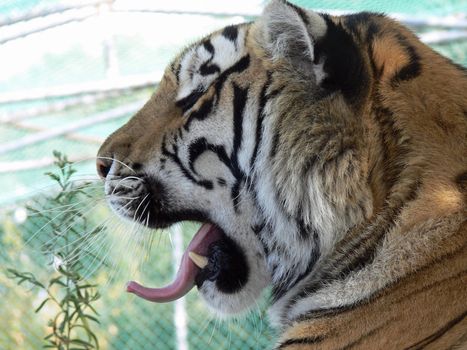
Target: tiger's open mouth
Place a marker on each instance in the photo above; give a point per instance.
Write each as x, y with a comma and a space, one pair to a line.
194, 260
212, 255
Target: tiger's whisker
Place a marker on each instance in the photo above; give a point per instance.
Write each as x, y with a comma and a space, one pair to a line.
118, 161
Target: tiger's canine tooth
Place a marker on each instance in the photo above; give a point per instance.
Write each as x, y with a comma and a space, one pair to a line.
199, 260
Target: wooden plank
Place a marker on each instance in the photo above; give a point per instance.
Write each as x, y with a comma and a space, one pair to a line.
44, 11
109, 85
66, 129
29, 164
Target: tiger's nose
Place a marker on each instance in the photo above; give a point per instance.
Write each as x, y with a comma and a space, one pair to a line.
103, 167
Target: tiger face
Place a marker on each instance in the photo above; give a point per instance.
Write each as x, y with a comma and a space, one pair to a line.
186, 155
206, 148
277, 136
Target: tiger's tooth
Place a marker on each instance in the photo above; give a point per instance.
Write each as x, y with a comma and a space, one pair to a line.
199, 260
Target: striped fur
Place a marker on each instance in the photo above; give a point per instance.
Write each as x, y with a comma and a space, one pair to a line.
333, 152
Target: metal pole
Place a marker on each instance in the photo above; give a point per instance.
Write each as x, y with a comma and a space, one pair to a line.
180, 320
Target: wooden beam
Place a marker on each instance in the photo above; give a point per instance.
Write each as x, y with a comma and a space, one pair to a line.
44, 11
71, 136
29, 164
74, 17
66, 129
105, 86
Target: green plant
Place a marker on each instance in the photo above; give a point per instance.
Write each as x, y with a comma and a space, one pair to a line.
65, 234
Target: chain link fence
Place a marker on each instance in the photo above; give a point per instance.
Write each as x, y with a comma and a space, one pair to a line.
71, 73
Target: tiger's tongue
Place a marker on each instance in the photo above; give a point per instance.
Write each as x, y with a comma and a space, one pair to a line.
187, 271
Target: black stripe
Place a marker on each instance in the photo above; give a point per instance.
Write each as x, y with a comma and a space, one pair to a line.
263, 98
175, 68
239, 102
201, 145
238, 67
366, 335
370, 242
438, 334
230, 33
208, 68
376, 236
275, 140
208, 46
366, 22
257, 229
360, 21
413, 69
431, 285
136, 166
221, 154
200, 114
174, 157
301, 341
349, 75
327, 312
195, 149
207, 107
188, 101
461, 181
279, 290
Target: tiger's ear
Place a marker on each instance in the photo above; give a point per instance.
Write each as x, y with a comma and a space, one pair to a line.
288, 32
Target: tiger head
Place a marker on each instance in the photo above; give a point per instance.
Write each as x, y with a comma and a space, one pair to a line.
262, 132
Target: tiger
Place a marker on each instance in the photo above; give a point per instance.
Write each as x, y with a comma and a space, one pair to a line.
325, 158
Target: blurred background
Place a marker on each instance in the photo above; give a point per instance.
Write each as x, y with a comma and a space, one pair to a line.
71, 72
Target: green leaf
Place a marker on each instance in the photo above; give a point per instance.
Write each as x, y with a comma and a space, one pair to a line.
92, 318
93, 309
41, 305
53, 176
57, 280
80, 342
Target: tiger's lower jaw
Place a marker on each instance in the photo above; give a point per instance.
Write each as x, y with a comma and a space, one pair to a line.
221, 271
226, 284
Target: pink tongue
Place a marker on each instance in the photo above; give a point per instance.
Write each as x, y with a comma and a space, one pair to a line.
186, 274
